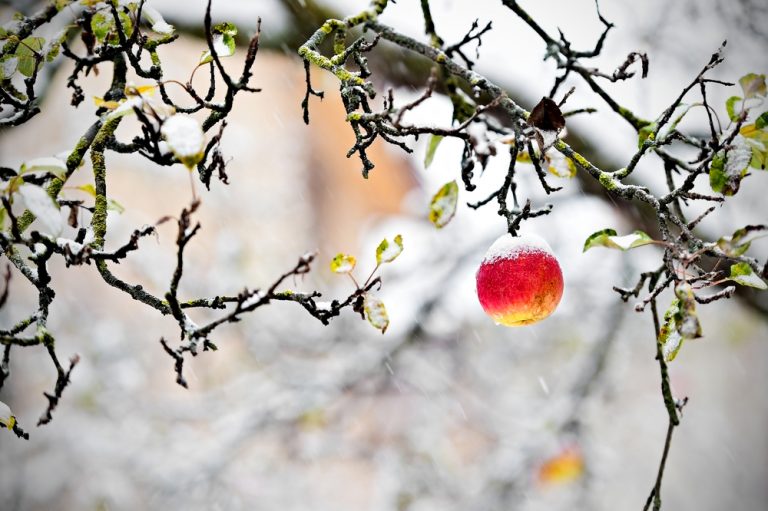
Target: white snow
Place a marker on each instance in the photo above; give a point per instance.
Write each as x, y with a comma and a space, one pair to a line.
9, 66
544, 385
739, 156
189, 325
391, 252
253, 299
5, 414
159, 25
376, 312
74, 247
126, 107
221, 47
89, 236
445, 206
46, 163
184, 135
626, 241
507, 246
669, 348
751, 280
37, 200
345, 266
548, 137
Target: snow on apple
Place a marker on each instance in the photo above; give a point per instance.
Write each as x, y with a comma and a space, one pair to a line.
185, 138
519, 281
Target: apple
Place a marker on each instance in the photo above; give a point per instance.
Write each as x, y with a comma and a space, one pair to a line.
519, 281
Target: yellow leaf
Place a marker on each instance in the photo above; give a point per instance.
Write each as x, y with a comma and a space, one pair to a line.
560, 165
443, 205
387, 251
7, 418
565, 467
134, 90
89, 189
524, 157
376, 312
101, 103
749, 130
343, 263
313, 419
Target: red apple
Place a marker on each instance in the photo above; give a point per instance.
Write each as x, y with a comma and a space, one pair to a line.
519, 281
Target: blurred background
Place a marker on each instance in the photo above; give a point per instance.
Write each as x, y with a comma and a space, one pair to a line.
446, 411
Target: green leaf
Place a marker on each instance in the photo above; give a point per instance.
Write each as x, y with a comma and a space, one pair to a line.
742, 273
343, 263
730, 107
598, 239
728, 168
759, 153
388, 251
101, 25
646, 132
753, 85
30, 46
127, 22
717, 177
13, 91
608, 238
689, 326
443, 204
762, 121
28, 52
52, 50
8, 66
225, 28
376, 312
223, 37
105, 29
434, 142
730, 248
749, 233
636, 239
681, 323
670, 339
759, 160
757, 139
679, 118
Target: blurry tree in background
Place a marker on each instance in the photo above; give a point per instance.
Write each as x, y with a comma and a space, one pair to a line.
169, 120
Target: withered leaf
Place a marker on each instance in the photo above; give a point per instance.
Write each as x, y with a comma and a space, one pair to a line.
546, 116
